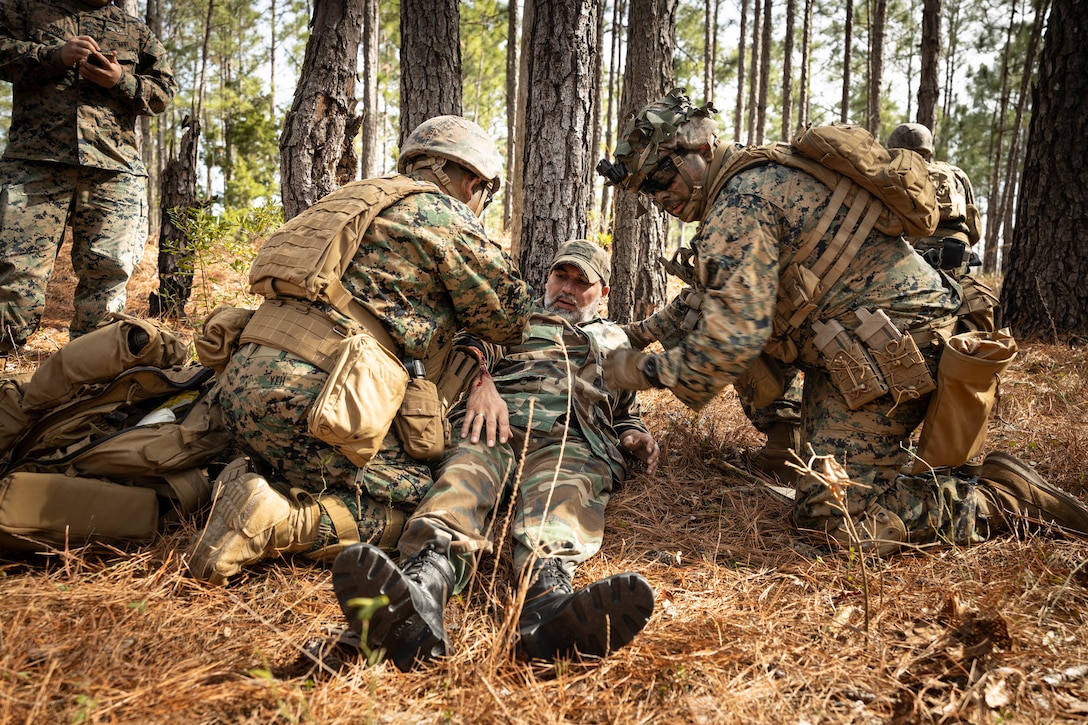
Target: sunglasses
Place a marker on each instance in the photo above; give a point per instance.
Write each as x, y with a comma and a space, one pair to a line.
660, 179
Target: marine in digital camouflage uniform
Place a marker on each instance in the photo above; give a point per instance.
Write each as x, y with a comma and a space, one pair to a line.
424, 269
82, 71
569, 438
669, 152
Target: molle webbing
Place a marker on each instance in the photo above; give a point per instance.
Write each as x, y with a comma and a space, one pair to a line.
303, 330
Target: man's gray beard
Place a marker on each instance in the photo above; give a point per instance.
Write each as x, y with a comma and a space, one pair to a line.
575, 316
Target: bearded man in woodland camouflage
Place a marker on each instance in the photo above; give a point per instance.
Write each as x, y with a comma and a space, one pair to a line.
562, 444
422, 269
82, 71
776, 275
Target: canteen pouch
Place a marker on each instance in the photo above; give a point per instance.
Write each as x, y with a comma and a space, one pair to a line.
762, 382
361, 397
954, 428
420, 422
51, 509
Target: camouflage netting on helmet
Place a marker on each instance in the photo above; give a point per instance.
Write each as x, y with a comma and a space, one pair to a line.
668, 124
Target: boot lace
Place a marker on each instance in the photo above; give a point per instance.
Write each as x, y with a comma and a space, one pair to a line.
551, 576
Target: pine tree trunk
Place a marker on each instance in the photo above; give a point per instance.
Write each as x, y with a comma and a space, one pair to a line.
638, 282
877, 29
931, 51
847, 58
370, 161
787, 70
175, 261
1044, 295
753, 70
321, 124
511, 109
559, 57
738, 112
430, 62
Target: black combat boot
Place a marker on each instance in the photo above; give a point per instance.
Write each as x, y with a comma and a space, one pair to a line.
1017, 490
592, 622
409, 628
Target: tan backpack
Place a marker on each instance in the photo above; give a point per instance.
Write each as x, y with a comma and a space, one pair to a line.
98, 458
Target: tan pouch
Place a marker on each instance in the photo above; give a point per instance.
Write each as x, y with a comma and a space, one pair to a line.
954, 428
38, 510
420, 422
356, 407
219, 336
762, 383
100, 356
13, 421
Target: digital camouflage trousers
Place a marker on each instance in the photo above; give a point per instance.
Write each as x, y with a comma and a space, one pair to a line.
266, 395
107, 212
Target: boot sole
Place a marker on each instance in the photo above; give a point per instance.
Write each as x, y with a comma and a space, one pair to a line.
1002, 463
598, 620
365, 571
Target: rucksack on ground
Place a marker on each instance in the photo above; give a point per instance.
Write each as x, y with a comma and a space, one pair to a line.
109, 440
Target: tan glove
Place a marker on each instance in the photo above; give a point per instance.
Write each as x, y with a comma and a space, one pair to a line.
624, 370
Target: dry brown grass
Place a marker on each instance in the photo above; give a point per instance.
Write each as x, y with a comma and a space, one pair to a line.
752, 625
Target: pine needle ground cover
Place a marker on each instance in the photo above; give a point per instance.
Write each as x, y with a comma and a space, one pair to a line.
753, 623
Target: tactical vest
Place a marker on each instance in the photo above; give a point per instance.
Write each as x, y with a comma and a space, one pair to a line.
303, 263
888, 191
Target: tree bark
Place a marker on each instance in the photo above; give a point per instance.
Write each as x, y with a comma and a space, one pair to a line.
370, 156
877, 28
175, 261
319, 128
753, 70
738, 112
557, 95
430, 62
787, 70
639, 284
1044, 295
511, 109
806, 61
847, 57
930, 58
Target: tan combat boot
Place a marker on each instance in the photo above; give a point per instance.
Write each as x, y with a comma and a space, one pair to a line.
878, 531
772, 458
1020, 491
250, 521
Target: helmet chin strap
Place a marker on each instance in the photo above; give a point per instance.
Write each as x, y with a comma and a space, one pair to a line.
696, 200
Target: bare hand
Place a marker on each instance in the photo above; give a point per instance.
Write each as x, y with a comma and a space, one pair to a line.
485, 407
102, 70
643, 447
77, 48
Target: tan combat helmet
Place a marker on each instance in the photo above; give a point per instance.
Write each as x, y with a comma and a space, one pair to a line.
657, 132
456, 139
913, 136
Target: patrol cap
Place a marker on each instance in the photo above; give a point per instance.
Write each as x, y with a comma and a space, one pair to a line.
458, 140
586, 256
669, 124
913, 136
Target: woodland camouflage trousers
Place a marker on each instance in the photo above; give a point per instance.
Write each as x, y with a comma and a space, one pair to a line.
559, 493
107, 211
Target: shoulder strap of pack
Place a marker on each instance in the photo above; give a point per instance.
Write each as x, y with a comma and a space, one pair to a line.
307, 256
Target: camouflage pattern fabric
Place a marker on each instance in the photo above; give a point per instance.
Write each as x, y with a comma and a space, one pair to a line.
425, 267
58, 116
73, 144
956, 203
566, 444
265, 396
760, 215
108, 214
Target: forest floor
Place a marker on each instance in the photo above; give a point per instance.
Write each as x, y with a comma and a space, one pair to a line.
753, 624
